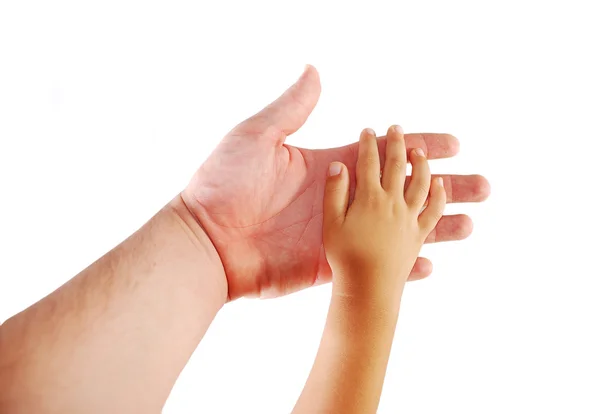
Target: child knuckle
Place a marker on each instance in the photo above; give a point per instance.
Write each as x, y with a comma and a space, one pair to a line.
333, 189
423, 190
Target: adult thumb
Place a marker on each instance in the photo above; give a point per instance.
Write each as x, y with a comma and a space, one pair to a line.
291, 110
337, 190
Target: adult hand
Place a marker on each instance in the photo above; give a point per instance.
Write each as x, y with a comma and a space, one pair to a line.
261, 201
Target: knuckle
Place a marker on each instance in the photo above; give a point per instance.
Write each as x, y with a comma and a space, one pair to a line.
421, 166
369, 160
397, 163
432, 218
423, 190
334, 220
333, 189
273, 132
371, 199
398, 207
437, 215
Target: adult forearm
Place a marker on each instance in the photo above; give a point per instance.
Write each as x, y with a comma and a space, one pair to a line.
115, 337
350, 366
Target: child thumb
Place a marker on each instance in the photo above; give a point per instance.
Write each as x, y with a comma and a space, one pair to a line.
337, 189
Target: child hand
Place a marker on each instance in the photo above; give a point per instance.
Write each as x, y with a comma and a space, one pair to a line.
373, 245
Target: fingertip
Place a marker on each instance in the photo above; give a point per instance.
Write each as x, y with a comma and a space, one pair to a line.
464, 227
312, 73
453, 145
335, 168
421, 269
416, 156
368, 132
439, 182
418, 152
308, 67
481, 189
395, 129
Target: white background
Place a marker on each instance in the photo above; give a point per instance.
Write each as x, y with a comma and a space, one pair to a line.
107, 108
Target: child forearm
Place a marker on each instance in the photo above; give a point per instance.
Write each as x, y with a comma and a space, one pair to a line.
349, 370
371, 246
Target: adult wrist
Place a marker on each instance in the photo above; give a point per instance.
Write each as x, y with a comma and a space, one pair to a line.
202, 243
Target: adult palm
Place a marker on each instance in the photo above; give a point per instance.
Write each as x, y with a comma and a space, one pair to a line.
260, 200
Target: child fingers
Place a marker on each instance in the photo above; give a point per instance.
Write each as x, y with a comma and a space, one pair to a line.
335, 200
367, 166
394, 170
435, 207
418, 189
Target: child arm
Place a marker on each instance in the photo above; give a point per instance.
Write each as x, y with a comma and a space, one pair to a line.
371, 247
348, 373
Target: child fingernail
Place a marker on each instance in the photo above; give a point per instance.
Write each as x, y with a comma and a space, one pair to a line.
335, 168
398, 129
420, 152
369, 131
440, 181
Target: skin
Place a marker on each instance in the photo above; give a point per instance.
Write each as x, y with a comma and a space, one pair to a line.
371, 260
115, 337
261, 199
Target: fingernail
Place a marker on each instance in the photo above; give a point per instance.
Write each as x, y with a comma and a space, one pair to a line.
369, 131
335, 168
398, 129
440, 181
420, 152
